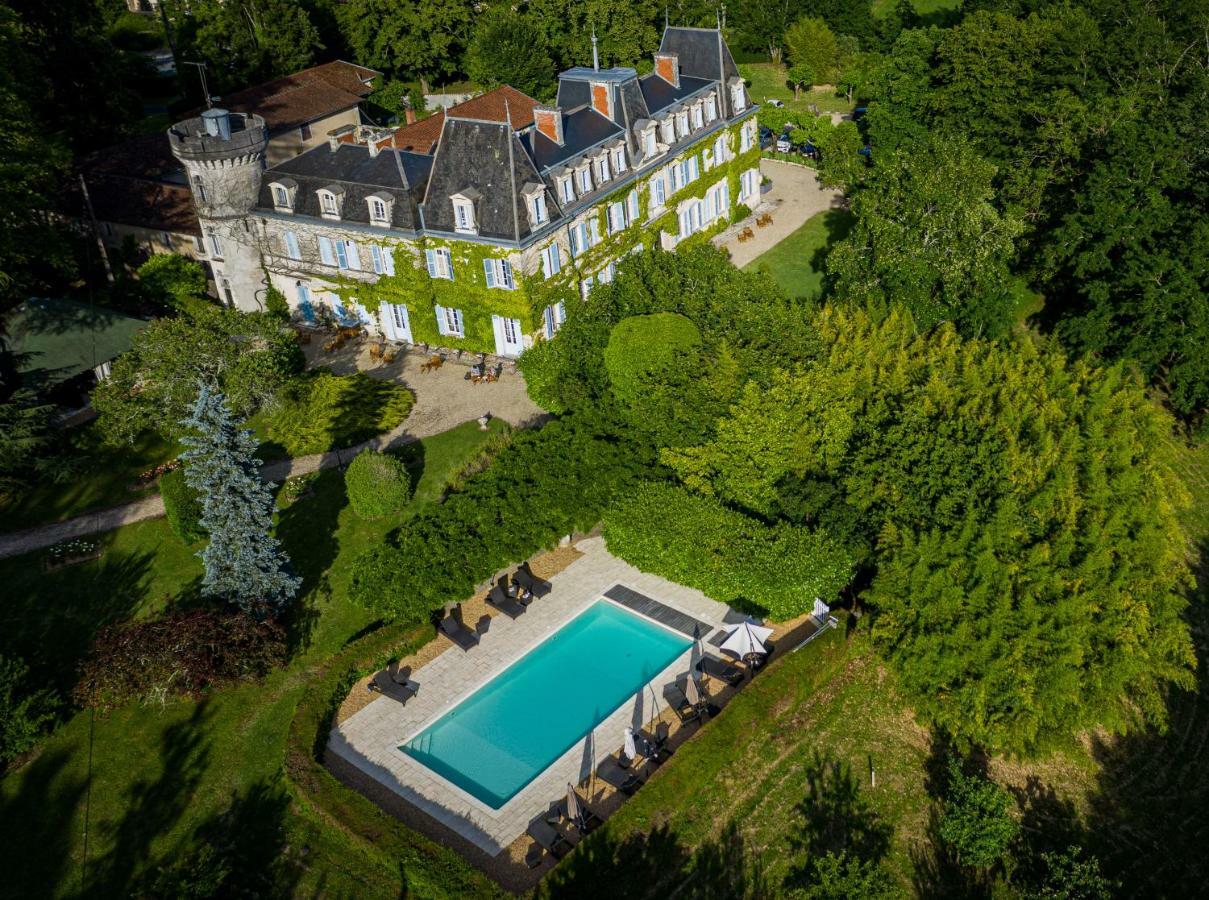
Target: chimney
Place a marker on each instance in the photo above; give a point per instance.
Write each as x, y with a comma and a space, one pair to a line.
602, 98
667, 67
336, 134
549, 121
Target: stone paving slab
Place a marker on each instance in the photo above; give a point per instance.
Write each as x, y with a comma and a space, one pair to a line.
370, 739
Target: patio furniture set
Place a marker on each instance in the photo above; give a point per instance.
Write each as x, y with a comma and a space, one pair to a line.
510, 594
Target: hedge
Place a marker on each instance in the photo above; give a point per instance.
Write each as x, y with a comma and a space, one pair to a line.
427, 869
322, 411
543, 485
697, 541
182, 507
377, 484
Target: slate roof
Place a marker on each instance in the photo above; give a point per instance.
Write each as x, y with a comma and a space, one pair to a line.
486, 157
56, 339
305, 96
582, 128
702, 53
360, 174
659, 95
574, 90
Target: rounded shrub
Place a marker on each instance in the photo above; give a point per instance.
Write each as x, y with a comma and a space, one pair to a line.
378, 484
182, 506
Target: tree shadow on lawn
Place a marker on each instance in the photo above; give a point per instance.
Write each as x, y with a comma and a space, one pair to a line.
835, 818
50, 618
37, 825
307, 531
837, 223
657, 863
154, 804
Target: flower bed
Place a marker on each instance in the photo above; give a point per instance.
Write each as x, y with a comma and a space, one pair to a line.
68, 553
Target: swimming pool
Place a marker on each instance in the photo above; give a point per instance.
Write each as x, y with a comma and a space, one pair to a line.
511, 729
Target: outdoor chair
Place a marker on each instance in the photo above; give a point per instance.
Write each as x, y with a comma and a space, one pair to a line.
453, 629
684, 710
656, 747
590, 816
720, 669
499, 599
526, 579
625, 780
549, 838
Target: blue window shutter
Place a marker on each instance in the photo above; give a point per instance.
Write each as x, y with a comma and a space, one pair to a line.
341, 255
431, 257
489, 271
633, 203
440, 318
448, 264
376, 252
326, 255
388, 260
457, 319
548, 315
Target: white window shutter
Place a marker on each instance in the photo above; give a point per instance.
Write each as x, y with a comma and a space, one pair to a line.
594, 227
632, 200
354, 258
326, 253
388, 260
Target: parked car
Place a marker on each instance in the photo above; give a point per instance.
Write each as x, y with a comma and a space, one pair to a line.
766, 137
779, 104
784, 144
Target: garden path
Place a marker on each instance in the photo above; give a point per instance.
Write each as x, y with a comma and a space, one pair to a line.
793, 197
443, 399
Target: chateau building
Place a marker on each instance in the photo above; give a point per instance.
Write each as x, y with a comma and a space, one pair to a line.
479, 235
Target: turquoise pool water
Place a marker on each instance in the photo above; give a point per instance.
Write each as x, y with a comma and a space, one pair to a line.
507, 732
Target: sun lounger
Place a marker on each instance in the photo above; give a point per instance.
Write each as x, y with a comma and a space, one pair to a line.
500, 600
457, 632
590, 816
549, 839
526, 579
625, 780
721, 669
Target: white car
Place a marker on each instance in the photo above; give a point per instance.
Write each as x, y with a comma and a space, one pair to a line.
783, 145
777, 103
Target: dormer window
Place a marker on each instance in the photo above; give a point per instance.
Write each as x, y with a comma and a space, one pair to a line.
379, 209
711, 108
667, 128
585, 180
682, 124
619, 159
330, 200
602, 168
464, 220
698, 121
648, 143
736, 96
535, 199
566, 189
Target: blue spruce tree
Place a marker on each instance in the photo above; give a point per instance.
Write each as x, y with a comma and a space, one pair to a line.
244, 563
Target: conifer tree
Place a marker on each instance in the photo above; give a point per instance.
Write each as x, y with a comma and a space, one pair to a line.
244, 563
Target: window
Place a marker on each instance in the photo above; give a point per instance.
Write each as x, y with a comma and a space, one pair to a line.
384, 259
698, 120
585, 286
682, 124
658, 191
602, 168
690, 218
281, 197
200, 187
305, 131
291, 245
166, 239
711, 108
668, 129
449, 321
720, 149
440, 263
688, 172
538, 207
327, 255
499, 274
378, 213
463, 215
616, 217
198, 247
567, 189
304, 295
329, 205
717, 201
554, 317
585, 180
677, 176
744, 138
593, 231
748, 184
606, 275
619, 159
707, 159
551, 261
632, 208
347, 256
224, 289
648, 140
736, 97
215, 245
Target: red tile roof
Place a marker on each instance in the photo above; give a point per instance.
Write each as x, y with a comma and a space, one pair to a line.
305, 96
144, 204
422, 136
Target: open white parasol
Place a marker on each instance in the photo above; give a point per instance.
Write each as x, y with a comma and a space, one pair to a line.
747, 639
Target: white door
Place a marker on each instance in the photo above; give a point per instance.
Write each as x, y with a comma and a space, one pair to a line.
395, 323
507, 336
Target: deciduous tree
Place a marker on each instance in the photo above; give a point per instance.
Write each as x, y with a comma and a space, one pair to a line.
424, 39
510, 48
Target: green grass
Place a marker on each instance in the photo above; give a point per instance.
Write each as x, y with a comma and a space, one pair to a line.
103, 478
159, 775
796, 264
321, 411
767, 82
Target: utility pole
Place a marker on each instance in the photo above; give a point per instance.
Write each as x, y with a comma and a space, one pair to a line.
168, 33
96, 230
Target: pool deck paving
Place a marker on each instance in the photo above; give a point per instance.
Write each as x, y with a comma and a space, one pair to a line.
369, 739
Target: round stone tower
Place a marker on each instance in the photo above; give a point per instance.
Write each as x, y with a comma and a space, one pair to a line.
223, 156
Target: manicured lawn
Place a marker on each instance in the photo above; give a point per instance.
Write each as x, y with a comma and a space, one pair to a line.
796, 264
162, 775
104, 478
767, 82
